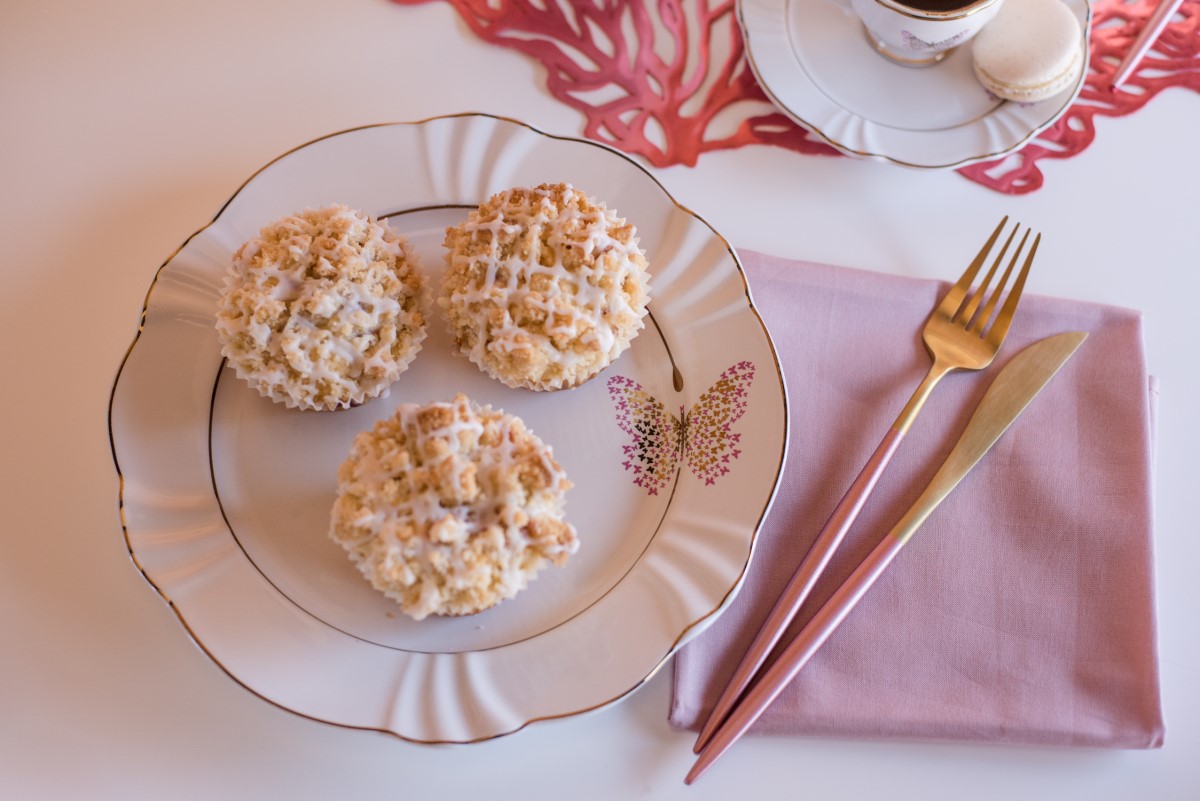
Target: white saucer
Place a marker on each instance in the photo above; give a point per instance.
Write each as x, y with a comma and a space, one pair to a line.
813, 60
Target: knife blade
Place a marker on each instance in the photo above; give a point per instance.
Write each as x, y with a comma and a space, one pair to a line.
1017, 384
1010, 393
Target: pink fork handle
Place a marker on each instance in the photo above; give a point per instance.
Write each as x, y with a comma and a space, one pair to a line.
797, 654
802, 582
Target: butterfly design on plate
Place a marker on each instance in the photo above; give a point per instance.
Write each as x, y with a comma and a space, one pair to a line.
703, 437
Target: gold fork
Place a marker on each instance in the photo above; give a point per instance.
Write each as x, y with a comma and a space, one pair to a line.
961, 334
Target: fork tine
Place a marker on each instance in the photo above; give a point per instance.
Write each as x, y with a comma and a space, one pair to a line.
1000, 328
981, 322
955, 296
968, 310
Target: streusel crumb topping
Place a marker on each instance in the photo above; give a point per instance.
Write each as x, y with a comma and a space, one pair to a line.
450, 508
322, 310
544, 287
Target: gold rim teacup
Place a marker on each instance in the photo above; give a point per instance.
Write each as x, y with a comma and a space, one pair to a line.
920, 37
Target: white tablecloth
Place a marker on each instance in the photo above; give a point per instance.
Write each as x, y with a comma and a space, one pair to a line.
125, 125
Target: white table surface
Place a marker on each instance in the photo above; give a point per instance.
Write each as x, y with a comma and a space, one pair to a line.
125, 125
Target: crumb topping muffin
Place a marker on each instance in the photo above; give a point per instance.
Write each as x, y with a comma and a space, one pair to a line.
451, 508
322, 310
544, 287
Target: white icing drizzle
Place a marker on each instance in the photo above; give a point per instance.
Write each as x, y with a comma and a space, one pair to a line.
436, 509
586, 312
313, 309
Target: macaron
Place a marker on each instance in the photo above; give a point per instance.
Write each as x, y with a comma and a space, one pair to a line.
1030, 51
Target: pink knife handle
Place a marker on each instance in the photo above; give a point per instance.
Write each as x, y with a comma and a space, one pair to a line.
802, 582
1146, 39
797, 654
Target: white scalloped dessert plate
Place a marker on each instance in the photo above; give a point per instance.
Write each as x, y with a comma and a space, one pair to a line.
226, 496
814, 61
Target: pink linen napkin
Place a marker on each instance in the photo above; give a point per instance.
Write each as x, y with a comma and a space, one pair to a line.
1023, 610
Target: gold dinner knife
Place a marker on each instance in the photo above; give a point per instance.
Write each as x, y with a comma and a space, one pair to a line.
1016, 385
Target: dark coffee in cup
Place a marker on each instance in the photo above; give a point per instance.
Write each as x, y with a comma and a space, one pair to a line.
936, 6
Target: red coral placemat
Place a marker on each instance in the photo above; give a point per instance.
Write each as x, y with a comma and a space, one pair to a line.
668, 80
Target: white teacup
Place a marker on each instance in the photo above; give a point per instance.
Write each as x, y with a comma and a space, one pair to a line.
918, 33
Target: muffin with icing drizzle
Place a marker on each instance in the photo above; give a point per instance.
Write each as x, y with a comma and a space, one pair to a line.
544, 287
322, 310
450, 508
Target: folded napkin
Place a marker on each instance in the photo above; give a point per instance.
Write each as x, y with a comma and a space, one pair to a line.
1023, 610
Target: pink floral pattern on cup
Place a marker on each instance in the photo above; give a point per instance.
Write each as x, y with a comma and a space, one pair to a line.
919, 45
